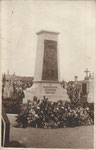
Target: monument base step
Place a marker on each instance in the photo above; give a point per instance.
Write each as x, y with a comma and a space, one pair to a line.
52, 91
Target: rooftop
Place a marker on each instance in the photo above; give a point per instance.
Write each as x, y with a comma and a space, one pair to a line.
44, 31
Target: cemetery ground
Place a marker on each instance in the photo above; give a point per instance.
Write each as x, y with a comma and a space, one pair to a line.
77, 137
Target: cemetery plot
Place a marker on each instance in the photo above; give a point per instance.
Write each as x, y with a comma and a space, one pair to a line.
52, 138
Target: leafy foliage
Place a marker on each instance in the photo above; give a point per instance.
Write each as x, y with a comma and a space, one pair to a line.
74, 91
12, 102
12, 105
48, 114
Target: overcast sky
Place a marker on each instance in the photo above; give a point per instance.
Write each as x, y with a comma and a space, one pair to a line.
75, 20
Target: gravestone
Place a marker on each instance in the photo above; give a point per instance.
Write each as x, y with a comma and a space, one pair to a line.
88, 88
47, 76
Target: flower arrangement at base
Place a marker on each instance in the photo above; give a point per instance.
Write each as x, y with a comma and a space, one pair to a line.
48, 114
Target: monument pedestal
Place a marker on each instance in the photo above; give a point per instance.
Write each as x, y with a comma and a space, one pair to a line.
52, 91
46, 79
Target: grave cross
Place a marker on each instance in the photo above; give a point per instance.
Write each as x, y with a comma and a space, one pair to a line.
86, 71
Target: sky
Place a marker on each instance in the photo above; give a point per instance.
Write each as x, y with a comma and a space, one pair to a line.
76, 22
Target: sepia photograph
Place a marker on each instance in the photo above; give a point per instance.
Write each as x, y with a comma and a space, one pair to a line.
48, 58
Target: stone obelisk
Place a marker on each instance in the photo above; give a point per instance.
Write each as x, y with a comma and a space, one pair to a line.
47, 78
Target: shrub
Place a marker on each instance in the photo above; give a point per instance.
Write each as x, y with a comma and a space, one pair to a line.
74, 91
11, 105
48, 114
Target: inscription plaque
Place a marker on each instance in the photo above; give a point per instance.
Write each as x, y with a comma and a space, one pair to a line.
50, 89
50, 68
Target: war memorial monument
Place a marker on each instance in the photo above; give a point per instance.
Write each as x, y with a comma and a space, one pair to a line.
47, 74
